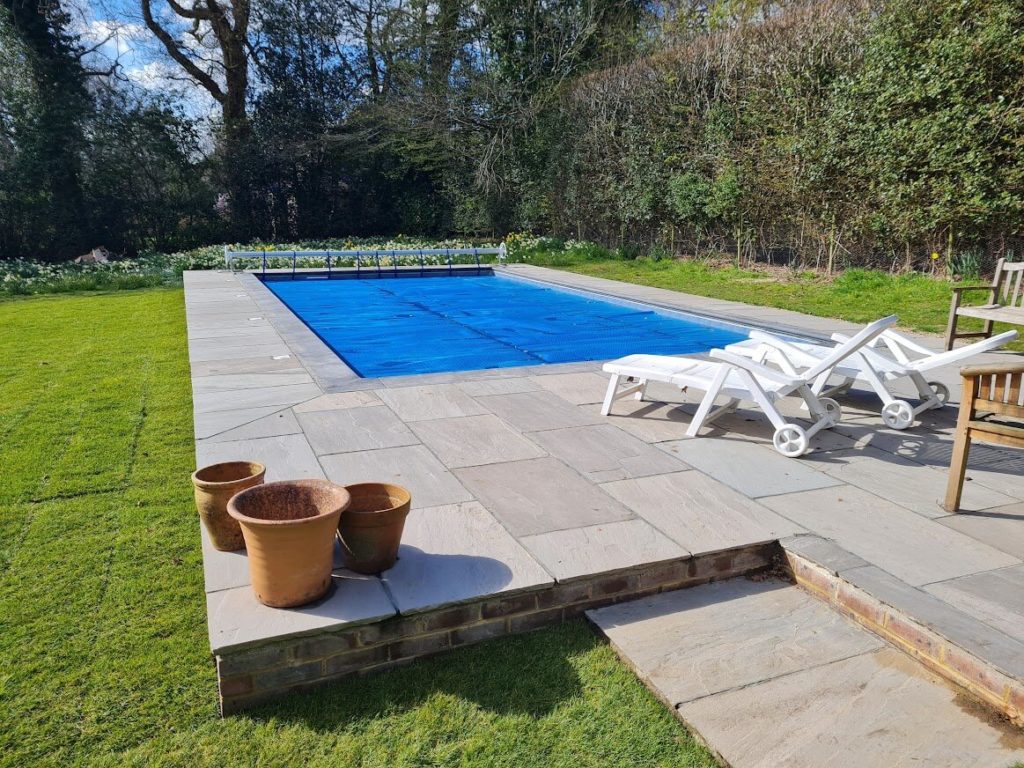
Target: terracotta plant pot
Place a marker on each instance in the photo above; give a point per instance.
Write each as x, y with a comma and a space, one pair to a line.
289, 532
371, 528
214, 486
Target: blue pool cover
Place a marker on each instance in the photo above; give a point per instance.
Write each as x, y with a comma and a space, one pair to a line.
410, 325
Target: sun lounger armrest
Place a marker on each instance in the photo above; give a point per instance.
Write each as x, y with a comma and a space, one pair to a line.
897, 344
756, 368
781, 344
890, 337
789, 356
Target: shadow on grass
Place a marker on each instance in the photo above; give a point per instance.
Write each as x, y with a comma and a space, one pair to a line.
528, 675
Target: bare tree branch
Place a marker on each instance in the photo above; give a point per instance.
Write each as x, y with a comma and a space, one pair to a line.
174, 50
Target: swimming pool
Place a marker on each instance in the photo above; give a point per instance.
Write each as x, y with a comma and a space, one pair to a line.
393, 326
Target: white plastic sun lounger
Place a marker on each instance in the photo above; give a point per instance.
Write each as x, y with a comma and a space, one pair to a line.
908, 360
739, 379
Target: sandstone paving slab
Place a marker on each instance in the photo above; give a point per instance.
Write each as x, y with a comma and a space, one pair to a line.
474, 440
823, 552
540, 495
748, 425
216, 422
255, 364
909, 546
700, 513
237, 619
508, 386
532, 411
1001, 527
238, 352
577, 388
251, 338
455, 553
994, 597
752, 469
1000, 469
281, 422
236, 381
602, 453
652, 422
902, 481
874, 710
222, 570
660, 392
432, 402
995, 647
225, 294
457, 377
355, 429
288, 394
695, 642
286, 457
413, 467
216, 329
217, 325
579, 552
338, 401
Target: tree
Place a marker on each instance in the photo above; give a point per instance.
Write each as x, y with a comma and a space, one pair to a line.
221, 68
41, 197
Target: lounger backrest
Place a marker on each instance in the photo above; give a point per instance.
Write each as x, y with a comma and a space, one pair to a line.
850, 346
962, 353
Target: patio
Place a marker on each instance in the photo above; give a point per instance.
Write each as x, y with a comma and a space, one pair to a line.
529, 506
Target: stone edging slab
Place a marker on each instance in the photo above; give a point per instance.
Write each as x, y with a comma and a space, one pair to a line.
943, 639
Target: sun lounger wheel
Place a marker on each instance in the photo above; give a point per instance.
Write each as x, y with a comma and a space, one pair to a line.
833, 409
898, 414
790, 440
941, 391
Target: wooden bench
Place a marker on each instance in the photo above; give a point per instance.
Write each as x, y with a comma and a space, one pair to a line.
1005, 302
992, 411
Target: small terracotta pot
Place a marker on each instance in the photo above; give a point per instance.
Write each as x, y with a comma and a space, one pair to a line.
371, 528
214, 486
289, 532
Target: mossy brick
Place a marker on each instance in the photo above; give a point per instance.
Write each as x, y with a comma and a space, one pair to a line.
528, 622
355, 661
508, 606
264, 657
325, 645
283, 677
485, 630
450, 618
424, 645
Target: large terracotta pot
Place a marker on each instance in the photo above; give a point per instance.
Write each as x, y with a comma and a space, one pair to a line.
289, 530
371, 528
214, 486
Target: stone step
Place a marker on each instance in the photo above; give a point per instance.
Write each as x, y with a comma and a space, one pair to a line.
768, 675
975, 643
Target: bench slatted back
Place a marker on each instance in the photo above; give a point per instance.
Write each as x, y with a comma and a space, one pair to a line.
1009, 283
1001, 393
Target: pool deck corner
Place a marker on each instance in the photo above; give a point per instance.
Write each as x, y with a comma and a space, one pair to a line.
530, 507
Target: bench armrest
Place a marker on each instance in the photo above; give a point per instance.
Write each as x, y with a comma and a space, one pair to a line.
962, 288
999, 369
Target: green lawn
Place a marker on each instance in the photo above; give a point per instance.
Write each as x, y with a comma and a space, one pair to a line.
861, 296
103, 651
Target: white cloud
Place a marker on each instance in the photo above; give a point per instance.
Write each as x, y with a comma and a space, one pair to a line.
152, 75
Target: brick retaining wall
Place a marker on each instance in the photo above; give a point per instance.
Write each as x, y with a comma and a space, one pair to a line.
255, 675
